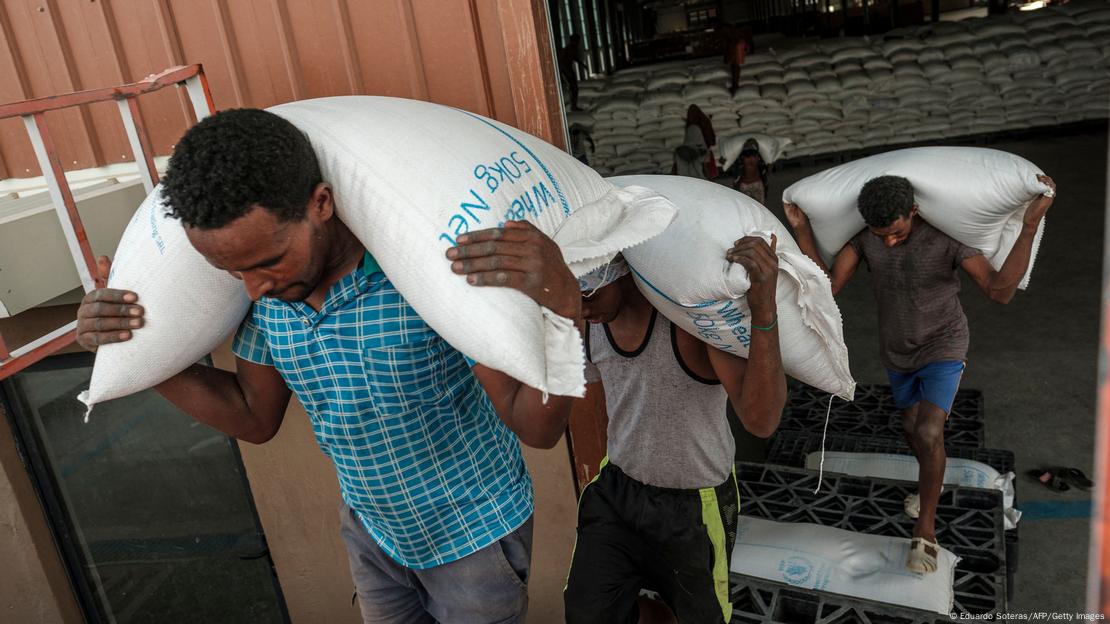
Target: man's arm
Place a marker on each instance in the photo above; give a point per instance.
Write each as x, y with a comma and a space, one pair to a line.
521, 408
248, 404
1001, 285
520, 256
844, 264
757, 387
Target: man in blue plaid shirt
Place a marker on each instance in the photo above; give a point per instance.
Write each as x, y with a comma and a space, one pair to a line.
437, 512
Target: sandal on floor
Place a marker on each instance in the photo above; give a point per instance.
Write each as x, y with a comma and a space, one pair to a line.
1076, 477
912, 505
1054, 479
923, 556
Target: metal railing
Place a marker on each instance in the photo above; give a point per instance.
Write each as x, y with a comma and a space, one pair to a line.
33, 112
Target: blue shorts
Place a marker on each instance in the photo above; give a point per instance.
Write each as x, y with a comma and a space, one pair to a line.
936, 383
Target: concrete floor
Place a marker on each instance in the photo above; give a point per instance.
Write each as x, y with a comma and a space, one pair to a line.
1034, 359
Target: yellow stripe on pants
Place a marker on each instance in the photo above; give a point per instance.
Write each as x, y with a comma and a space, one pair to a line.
711, 517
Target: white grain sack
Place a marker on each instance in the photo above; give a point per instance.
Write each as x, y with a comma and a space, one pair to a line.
975, 195
408, 178
683, 272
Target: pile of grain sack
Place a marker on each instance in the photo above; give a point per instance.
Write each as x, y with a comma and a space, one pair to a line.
951, 79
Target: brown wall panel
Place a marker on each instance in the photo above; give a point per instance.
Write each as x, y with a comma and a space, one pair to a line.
147, 51
237, 27
79, 142
479, 55
387, 48
526, 34
195, 28
96, 58
345, 41
452, 65
163, 49
14, 145
499, 72
35, 46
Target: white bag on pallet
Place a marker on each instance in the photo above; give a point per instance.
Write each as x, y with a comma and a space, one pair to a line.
975, 195
813, 557
683, 272
957, 471
408, 178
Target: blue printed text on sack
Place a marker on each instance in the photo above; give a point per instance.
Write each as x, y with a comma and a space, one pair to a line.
155, 235
722, 327
492, 179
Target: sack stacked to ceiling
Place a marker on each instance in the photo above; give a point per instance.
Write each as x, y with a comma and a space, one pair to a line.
935, 82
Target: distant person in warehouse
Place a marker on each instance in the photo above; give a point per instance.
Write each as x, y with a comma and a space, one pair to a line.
751, 180
662, 512
437, 501
923, 333
694, 158
737, 49
569, 55
581, 143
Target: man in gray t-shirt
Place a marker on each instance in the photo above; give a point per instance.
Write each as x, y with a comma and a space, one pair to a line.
661, 513
923, 333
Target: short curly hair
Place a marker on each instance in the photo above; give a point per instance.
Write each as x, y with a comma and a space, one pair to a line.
236, 159
885, 199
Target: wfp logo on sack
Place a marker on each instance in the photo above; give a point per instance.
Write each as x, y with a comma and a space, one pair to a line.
156, 210
796, 570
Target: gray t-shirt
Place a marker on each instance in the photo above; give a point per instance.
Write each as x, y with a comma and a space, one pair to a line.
667, 427
917, 287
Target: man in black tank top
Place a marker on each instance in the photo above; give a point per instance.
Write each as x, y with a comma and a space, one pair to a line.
923, 334
662, 512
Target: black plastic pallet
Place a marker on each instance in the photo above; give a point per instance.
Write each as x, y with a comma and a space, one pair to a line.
873, 414
759, 601
872, 398
963, 433
969, 521
790, 448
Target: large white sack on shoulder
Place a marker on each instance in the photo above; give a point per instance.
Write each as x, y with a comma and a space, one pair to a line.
957, 471
814, 557
410, 176
683, 272
771, 148
977, 196
190, 307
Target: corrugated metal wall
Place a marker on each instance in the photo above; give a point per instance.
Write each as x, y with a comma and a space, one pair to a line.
480, 55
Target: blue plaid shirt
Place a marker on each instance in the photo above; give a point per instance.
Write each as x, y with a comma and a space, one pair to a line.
421, 455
